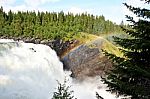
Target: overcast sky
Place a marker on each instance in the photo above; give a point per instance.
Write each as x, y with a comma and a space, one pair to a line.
111, 9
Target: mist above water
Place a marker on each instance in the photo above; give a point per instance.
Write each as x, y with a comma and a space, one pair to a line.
31, 71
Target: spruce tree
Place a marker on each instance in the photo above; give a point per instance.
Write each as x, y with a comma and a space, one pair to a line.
63, 92
131, 74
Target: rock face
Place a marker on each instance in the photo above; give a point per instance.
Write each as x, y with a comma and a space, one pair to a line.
60, 46
87, 60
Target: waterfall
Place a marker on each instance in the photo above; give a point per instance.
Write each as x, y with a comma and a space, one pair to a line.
31, 71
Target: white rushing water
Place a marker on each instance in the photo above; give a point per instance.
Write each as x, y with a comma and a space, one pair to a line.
30, 71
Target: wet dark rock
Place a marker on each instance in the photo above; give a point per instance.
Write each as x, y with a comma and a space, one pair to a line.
87, 60
32, 49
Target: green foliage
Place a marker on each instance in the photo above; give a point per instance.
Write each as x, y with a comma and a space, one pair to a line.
131, 74
52, 25
63, 92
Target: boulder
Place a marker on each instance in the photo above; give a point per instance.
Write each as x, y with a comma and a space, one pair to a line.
87, 60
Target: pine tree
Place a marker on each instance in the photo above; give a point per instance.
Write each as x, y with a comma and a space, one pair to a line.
46, 25
2, 21
131, 74
63, 92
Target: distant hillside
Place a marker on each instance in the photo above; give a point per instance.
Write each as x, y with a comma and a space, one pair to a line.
52, 25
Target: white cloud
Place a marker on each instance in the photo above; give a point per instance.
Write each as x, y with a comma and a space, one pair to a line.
134, 4
27, 2
110, 13
30, 5
114, 14
77, 10
23, 8
38, 2
15, 9
7, 2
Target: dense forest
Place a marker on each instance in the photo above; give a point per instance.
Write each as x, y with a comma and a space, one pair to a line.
52, 25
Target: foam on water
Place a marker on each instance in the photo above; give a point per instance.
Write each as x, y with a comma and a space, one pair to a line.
30, 71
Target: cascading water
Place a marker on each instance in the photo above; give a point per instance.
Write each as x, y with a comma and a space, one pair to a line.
28, 71
31, 71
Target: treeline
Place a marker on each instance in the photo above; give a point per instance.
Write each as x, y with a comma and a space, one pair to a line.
52, 25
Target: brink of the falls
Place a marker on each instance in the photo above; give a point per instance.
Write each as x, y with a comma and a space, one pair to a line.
28, 71
31, 71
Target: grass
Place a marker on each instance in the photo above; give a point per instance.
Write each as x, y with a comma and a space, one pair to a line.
85, 38
111, 48
107, 45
